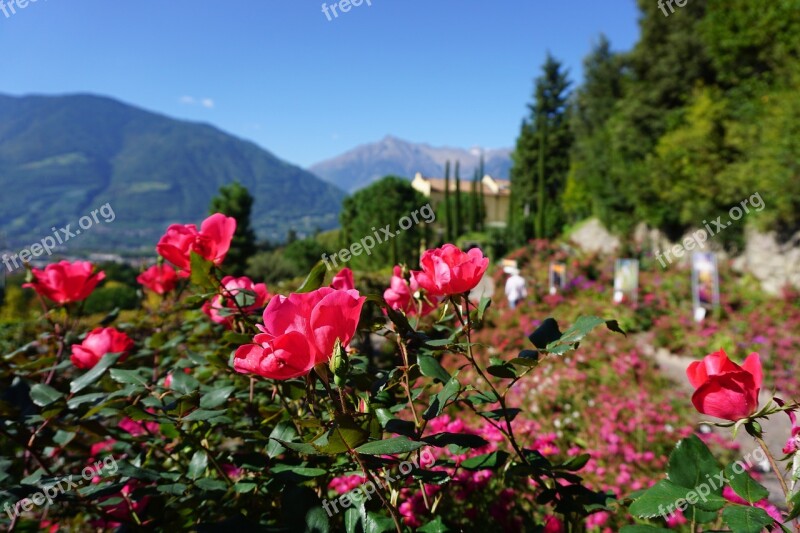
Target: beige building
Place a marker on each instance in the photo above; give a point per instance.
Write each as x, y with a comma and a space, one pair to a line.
496, 195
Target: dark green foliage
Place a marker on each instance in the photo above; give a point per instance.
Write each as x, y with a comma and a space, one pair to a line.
107, 298
541, 157
458, 225
369, 210
235, 201
448, 211
699, 116
304, 254
62, 157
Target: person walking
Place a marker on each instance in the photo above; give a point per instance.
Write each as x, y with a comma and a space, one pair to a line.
515, 288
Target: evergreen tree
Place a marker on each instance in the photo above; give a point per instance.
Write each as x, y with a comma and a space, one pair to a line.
541, 157
591, 187
473, 203
448, 215
235, 201
481, 196
458, 226
384, 202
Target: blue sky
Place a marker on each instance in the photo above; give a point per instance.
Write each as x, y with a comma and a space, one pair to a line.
277, 72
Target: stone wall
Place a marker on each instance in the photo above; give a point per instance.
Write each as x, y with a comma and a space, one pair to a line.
773, 263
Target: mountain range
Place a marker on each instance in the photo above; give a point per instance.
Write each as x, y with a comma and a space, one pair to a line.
364, 164
63, 156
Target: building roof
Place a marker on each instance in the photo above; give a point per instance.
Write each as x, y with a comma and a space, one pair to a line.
491, 186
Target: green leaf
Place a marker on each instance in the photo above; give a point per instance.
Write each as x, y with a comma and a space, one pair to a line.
75, 401
572, 337
317, 521
175, 489
94, 373
198, 464
207, 483
640, 528
744, 485
216, 398
238, 339
203, 414
438, 402
746, 519
352, 520
505, 371
658, 500
315, 278
284, 431
546, 333
500, 414
465, 440
483, 305
526, 358
345, 434
300, 447
110, 317
573, 464
184, 383
62, 438
243, 487
430, 367
434, 527
42, 394
795, 501
691, 464
492, 461
390, 446
201, 272
301, 471
129, 377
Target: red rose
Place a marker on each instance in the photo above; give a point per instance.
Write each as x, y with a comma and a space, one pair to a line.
66, 282
343, 280
97, 344
160, 279
299, 332
225, 301
725, 389
212, 242
400, 295
447, 271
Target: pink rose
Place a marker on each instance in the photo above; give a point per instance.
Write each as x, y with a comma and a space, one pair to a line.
66, 282
225, 301
400, 295
343, 280
448, 271
160, 279
212, 242
97, 344
299, 332
725, 389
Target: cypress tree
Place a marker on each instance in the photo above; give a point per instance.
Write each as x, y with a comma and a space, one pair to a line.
473, 203
448, 224
458, 226
481, 197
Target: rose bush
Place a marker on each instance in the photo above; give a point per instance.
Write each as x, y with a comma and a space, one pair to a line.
263, 425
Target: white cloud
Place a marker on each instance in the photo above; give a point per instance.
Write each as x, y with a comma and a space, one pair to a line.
208, 103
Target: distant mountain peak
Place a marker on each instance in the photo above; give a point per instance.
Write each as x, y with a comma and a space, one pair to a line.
364, 164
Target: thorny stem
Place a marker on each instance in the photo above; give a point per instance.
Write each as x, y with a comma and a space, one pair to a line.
367, 473
775, 469
406, 383
500, 397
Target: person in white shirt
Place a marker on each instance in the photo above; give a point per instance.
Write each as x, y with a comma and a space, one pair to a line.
515, 289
